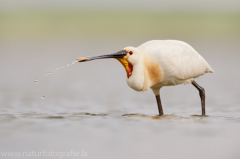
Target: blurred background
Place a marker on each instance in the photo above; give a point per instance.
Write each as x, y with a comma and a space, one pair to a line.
50, 102
119, 19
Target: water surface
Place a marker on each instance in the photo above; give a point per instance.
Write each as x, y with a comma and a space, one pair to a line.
90, 107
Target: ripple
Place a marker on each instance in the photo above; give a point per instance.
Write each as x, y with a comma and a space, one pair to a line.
199, 115
90, 114
6, 117
130, 116
54, 117
155, 116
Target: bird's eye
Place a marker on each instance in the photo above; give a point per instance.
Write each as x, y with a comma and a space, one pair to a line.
130, 52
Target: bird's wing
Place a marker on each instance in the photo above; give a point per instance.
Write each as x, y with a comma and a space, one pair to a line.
177, 58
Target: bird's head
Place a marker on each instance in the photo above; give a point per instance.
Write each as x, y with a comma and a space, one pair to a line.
128, 57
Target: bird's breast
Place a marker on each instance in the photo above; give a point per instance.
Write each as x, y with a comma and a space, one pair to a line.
155, 73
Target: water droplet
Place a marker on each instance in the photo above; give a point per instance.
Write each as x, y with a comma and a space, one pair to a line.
43, 97
68, 65
36, 81
74, 62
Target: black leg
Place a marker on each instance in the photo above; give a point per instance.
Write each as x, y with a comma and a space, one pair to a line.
160, 109
202, 95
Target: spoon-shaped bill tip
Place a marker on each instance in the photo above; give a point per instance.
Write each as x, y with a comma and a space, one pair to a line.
82, 59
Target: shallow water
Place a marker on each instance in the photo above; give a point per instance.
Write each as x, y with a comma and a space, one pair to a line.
90, 107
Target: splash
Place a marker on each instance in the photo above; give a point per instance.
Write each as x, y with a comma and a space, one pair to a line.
62, 67
36, 81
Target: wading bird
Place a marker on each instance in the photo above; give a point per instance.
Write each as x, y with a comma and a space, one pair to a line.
159, 63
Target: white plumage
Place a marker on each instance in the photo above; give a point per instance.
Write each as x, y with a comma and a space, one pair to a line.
177, 57
179, 63
159, 63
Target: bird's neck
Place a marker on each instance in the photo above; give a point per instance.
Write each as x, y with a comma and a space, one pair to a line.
147, 73
139, 79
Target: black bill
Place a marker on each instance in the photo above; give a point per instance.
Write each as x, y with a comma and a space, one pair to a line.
119, 54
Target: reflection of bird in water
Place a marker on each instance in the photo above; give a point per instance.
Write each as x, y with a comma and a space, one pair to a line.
159, 63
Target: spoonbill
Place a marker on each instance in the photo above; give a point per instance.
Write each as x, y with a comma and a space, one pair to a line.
159, 63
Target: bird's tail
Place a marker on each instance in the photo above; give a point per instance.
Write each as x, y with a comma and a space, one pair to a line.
209, 69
